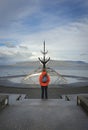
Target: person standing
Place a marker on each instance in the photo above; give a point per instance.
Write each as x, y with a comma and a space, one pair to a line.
44, 80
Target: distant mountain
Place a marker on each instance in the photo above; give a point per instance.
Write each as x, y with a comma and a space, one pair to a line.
28, 63
53, 63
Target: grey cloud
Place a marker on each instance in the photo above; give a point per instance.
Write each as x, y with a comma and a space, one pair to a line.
9, 45
23, 47
12, 56
83, 54
13, 10
22, 55
5, 59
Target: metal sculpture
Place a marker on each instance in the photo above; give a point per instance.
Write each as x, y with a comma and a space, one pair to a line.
55, 76
44, 60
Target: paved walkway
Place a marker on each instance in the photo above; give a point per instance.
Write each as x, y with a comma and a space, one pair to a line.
37, 114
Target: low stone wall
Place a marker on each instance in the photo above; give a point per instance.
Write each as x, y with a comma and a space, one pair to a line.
83, 101
4, 101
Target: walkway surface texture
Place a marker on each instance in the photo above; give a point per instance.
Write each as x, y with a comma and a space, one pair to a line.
37, 114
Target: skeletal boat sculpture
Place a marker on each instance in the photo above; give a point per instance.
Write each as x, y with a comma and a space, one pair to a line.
56, 78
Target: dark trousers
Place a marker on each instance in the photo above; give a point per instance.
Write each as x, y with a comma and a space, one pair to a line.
44, 92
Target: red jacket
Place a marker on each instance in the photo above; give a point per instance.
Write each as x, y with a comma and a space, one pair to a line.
40, 79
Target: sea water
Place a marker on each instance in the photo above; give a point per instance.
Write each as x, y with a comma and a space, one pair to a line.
11, 70
67, 72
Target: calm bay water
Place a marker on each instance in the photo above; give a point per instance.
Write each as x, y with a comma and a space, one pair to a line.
11, 70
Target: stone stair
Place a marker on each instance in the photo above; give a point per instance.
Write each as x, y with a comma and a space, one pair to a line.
38, 114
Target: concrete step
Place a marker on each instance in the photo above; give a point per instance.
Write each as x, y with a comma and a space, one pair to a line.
42, 102
37, 114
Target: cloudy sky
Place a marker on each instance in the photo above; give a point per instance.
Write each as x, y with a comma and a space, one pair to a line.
25, 24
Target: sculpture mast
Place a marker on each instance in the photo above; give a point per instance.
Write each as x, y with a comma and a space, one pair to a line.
44, 60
